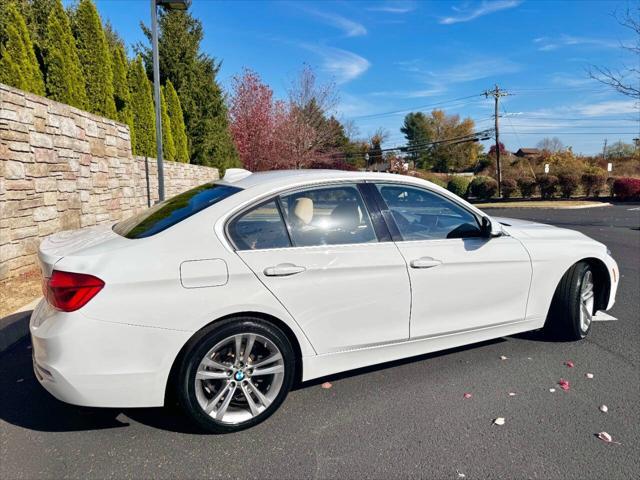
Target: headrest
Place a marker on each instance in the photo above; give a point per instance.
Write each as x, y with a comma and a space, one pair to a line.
346, 215
303, 210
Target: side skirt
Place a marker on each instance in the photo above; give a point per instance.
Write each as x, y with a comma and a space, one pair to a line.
330, 363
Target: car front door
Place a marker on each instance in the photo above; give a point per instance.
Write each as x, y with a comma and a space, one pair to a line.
319, 252
460, 280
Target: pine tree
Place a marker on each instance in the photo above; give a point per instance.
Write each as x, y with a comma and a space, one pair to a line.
177, 123
65, 82
18, 64
36, 14
144, 124
95, 59
193, 75
168, 146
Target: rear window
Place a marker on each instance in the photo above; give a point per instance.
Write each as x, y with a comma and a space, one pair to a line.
173, 211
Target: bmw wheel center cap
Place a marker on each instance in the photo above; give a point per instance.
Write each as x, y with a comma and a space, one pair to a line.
239, 376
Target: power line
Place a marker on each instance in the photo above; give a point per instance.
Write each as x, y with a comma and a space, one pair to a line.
411, 109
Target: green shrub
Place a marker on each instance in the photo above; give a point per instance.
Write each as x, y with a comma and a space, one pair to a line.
483, 187
459, 185
548, 185
568, 183
527, 186
509, 187
593, 181
434, 179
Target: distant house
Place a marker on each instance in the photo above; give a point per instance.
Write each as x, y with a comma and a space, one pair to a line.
528, 152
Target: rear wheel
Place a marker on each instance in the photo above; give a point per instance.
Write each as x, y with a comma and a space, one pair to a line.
236, 375
572, 308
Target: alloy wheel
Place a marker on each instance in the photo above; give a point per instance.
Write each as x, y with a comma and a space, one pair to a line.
586, 301
239, 378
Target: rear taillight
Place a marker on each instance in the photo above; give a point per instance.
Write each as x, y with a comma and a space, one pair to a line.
68, 291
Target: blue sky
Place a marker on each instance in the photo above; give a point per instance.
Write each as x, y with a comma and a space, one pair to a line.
391, 57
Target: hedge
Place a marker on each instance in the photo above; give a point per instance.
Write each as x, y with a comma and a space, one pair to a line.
548, 185
527, 186
483, 187
459, 185
626, 188
509, 187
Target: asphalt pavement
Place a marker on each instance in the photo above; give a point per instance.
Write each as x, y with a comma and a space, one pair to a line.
398, 420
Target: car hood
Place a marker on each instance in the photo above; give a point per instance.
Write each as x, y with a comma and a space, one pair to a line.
526, 229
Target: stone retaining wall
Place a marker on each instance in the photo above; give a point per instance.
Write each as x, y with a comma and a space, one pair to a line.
63, 168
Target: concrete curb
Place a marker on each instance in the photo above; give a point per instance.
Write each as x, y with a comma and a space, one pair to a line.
15, 326
547, 207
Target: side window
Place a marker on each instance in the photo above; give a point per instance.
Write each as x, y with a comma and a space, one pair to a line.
259, 228
423, 215
328, 216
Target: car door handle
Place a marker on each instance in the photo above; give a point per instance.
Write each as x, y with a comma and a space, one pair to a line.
283, 270
425, 262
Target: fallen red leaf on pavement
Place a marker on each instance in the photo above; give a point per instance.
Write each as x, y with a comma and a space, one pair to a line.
467, 395
569, 364
326, 385
564, 384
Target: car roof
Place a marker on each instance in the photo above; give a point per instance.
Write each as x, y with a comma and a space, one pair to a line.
284, 178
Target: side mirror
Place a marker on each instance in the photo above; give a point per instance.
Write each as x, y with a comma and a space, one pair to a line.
490, 229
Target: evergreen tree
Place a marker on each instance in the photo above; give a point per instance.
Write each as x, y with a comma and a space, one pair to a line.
193, 75
65, 82
18, 64
177, 123
122, 97
144, 123
168, 147
95, 59
37, 16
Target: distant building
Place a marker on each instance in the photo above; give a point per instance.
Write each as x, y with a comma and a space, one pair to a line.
528, 152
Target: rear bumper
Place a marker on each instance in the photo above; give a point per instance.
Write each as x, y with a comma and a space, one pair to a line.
101, 364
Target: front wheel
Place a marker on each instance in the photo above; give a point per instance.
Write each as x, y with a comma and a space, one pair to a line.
236, 375
573, 303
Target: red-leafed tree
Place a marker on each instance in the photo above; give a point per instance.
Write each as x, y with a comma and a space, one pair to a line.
257, 123
492, 150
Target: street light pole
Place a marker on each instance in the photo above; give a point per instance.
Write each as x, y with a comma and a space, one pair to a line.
156, 96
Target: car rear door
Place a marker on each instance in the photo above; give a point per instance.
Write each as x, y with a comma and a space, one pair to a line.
460, 280
329, 264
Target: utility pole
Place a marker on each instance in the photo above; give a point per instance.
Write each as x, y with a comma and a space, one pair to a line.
496, 93
604, 150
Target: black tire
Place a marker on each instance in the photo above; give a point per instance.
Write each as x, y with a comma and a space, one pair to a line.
563, 321
185, 380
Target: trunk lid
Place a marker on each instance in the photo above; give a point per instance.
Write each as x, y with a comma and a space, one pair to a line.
85, 241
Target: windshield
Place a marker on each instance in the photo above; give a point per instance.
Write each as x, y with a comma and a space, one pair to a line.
173, 211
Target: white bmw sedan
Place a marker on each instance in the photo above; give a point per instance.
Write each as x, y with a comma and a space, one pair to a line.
224, 296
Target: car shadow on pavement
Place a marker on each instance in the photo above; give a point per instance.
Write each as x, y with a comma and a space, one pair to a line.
26, 404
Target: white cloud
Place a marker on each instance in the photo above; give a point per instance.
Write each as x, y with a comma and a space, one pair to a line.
393, 7
348, 27
466, 14
462, 72
418, 93
343, 65
547, 44
609, 108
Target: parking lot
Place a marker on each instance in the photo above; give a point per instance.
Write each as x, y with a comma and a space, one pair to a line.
404, 419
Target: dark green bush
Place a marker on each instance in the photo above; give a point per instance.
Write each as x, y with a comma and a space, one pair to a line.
568, 183
483, 187
527, 186
548, 185
459, 185
509, 187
